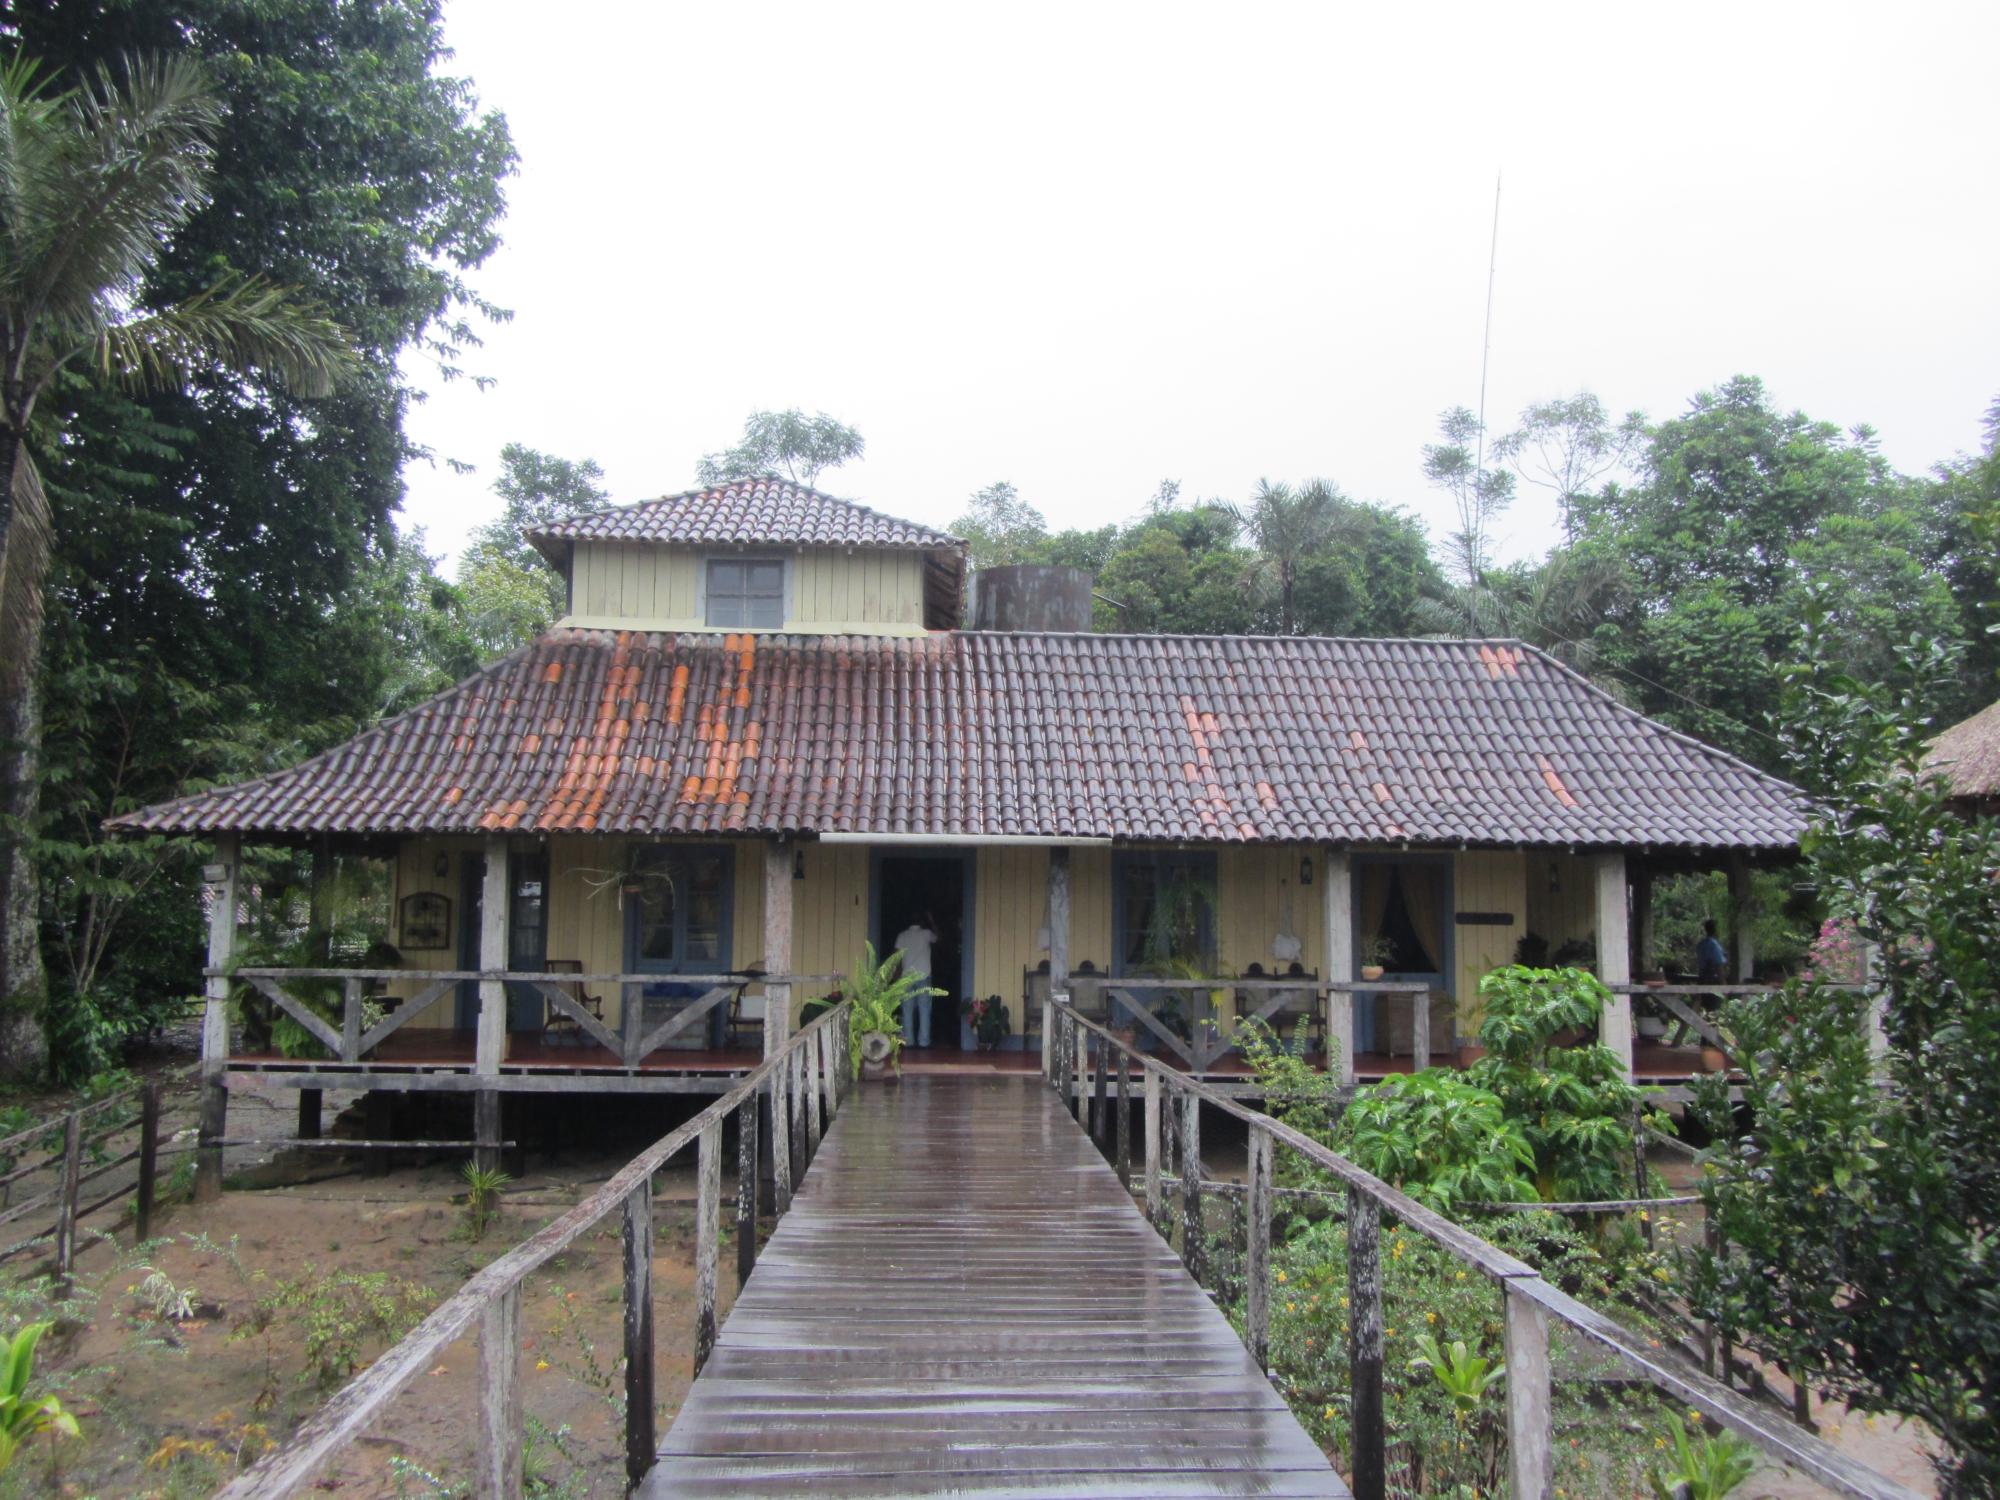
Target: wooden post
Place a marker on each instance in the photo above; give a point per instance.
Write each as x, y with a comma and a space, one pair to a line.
777, 951
310, 1112
1099, 1116
1153, 1194
1614, 955
492, 1041
813, 1065
1059, 922
1193, 1254
1257, 1257
639, 1444
1364, 1345
149, 1156
801, 1146
350, 1020
1530, 1411
498, 1473
1339, 928
1124, 1123
1420, 1031
223, 895
707, 1238
66, 1213
781, 1143
1742, 911
829, 1063
1642, 919
746, 1190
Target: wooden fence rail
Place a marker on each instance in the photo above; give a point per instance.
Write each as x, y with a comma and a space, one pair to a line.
815, 1059
1081, 1052
75, 1170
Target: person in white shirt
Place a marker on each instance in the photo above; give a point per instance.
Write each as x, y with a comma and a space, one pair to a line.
914, 943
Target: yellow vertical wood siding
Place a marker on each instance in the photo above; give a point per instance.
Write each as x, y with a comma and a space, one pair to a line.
832, 591
1485, 880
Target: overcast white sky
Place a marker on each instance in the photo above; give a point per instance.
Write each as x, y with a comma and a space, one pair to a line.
1086, 247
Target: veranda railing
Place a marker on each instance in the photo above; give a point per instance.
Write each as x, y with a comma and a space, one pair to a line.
1085, 1060
805, 1083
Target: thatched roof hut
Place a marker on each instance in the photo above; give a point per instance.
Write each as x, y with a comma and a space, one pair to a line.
1967, 755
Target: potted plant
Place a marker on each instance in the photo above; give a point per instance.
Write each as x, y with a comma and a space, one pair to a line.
1376, 955
879, 990
990, 1023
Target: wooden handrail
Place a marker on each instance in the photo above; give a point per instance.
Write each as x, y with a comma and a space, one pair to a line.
1529, 1300
520, 976
492, 1296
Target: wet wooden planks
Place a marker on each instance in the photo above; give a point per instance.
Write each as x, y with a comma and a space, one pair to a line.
964, 1302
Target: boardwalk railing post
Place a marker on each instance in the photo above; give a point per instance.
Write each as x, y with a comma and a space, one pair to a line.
149, 1156
1193, 1254
1098, 1114
350, 1020
71, 1180
1257, 1255
1364, 1344
707, 1234
746, 1189
639, 1443
1154, 1214
499, 1475
1530, 1418
781, 1143
1124, 1123
801, 1145
812, 1063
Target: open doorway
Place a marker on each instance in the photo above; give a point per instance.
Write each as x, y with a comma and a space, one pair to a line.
911, 888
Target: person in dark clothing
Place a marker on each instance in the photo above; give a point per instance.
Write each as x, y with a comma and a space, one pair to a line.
1711, 959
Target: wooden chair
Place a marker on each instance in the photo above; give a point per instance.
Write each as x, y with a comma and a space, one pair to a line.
560, 1025
1034, 1000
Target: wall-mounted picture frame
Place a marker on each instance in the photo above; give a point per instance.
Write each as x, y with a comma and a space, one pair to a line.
425, 920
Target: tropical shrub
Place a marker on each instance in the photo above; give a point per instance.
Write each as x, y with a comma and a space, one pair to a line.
1440, 1138
23, 1416
878, 990
1862, 1221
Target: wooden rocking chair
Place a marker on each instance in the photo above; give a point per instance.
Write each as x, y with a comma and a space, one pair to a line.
559, 1026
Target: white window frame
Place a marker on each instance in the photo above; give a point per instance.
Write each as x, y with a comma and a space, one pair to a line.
784, 565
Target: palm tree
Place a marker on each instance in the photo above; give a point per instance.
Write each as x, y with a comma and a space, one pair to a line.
94, 181
1286, 526
1555, 605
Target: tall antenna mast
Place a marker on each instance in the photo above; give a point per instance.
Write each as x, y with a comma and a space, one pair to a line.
1486, 353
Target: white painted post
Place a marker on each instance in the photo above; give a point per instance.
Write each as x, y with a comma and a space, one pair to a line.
491, 1049
1530, 1412
1338, 886
777, 943
1614, 954
1154, 1194
215, 1016
1059, 905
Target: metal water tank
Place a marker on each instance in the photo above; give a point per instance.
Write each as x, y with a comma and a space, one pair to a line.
1031, 596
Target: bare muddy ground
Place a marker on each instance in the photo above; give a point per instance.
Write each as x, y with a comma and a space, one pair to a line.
183, 1357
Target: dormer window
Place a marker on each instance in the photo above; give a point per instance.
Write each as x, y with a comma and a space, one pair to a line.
745, 593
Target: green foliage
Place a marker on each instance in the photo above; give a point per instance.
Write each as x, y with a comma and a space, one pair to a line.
1532, 1119
344, 1313
483, 1186
1440, 1138
1709, 1469
1860, 1220
24, 1415
878, 990
1468, 1380
787, 443
999, 527
1432, 1301
509, 591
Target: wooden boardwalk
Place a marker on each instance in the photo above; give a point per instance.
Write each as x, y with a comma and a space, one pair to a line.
964, 1301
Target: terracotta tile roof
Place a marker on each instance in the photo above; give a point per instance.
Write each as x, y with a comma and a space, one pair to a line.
1133, 737
747, 512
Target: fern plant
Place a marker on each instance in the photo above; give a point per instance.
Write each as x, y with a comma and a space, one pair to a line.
482, 1195
1706, 1470
878, 990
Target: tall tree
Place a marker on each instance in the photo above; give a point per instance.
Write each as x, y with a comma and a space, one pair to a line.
1287, 526
784, 443
93, 181
511, 594
248, 527
1000, 527
1479, 494
1569, 445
